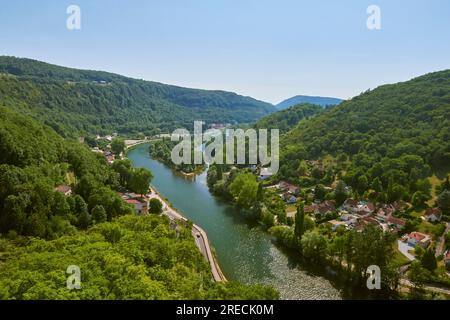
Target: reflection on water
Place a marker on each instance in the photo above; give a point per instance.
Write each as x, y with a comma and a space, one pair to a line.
245, 253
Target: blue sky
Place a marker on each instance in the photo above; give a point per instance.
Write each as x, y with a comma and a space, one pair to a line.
269, 50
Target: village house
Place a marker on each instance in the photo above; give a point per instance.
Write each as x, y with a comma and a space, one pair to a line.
365, 221
349, 220
290, 188
385, 212
350, 205
400, 205
321, 209
289, 198
336, 224
447, 259
265, 173
433, 214
109, 156
140, 205
417, 238
311, 209
348, 217
396, 223
64, 189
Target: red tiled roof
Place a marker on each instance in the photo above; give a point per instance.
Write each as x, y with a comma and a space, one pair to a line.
351, 202
63, 188
436, 211
396, 221
447, 255
417, 235
311, 208
133, 201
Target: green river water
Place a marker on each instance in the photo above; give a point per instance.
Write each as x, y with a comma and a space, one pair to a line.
245, 253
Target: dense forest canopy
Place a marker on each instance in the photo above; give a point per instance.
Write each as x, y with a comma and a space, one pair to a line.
76, 102
130, 258
286, 119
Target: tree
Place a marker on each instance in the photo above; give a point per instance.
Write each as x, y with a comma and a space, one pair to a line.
260, 193
99, 214
124, 169
244, 189
299, 228
363, 184
117, 146
314, 246
395, 192
140, 181
443, 201
80, 206
60, 205
428, 260
156, 206
377, 185
319, 192
84, 220
418, 274
340, 194
419, 199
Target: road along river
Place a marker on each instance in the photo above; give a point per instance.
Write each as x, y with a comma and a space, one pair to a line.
245, 253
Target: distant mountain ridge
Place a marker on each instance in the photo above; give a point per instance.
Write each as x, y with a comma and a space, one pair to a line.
75, 102
320, 101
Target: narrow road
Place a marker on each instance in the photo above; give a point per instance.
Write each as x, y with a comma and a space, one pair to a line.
200, 237
409, 284
441, 242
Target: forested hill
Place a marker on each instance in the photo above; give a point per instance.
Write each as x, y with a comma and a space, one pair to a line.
320, 101
76, 102
286, 119
121, 255
398, 132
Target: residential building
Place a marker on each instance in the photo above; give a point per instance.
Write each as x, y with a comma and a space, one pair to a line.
140, 205
336, 224
265, 173
64, 189
289, 198
396, 223
417, 238
350, 205
290, 188
447, 259
433, 214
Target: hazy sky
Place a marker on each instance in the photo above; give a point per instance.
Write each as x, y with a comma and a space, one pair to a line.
269, 50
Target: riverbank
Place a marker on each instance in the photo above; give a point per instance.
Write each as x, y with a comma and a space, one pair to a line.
200, 236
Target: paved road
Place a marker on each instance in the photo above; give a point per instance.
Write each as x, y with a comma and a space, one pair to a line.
403, 247
409, 284
200, 236
441, 241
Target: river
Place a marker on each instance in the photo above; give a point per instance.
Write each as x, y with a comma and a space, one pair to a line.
245, 253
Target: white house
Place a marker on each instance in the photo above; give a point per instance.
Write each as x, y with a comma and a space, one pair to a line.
265, 173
